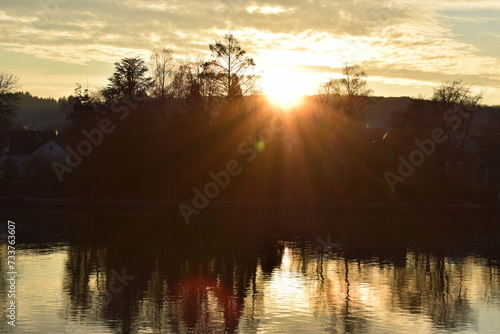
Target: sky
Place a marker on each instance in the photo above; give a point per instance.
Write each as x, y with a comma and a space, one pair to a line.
406, 48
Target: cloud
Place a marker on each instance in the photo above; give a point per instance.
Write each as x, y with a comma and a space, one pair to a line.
464, 5
390, 38
132, 23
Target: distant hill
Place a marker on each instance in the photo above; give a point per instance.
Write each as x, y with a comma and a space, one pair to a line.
38, 113
378, 113
485, 113
45, 114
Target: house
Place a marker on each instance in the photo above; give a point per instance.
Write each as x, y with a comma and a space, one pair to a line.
27, 144
51, 148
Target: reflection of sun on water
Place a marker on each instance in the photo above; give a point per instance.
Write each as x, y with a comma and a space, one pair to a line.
284, 89
288, 285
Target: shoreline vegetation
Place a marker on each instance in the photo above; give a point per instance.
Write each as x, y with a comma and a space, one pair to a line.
199, 135
216, 205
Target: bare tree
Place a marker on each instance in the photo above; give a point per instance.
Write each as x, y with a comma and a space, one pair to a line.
8, 83
455, 100
162, 67
450, 110
344, 102
207, 76
349, 96
8, 100
452, 100
457, 93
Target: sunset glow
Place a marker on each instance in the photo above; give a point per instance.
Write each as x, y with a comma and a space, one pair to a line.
398, 43
284, 89
230, 166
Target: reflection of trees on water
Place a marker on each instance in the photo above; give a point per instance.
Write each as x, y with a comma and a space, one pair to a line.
191, 290
170, 292
492, 284
437, 287
83, 263
3, 269
106, 283
351, 293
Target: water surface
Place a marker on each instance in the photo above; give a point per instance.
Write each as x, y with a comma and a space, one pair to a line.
120, 282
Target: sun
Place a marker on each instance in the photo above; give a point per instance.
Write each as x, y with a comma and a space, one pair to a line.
283, 89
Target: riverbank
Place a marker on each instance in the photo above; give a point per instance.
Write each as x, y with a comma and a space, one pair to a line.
217, 205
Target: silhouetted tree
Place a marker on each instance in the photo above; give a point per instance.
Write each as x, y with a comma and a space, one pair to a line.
450, 112
349, 96
232, 67
343, 103
451, 108
205, 75
455, 99
83, 108
130, 79
232, 70
8, 101
162, 67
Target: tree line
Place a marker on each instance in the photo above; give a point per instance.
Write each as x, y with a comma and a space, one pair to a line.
176, 120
